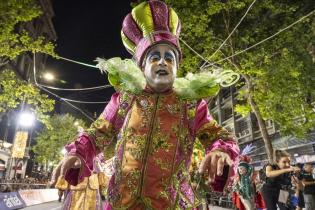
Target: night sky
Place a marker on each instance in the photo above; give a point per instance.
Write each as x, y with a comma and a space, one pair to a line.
86, 30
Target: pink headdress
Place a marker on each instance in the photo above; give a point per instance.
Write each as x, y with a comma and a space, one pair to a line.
148, 24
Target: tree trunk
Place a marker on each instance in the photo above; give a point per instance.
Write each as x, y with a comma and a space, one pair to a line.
252, 103
261, 122
3, 61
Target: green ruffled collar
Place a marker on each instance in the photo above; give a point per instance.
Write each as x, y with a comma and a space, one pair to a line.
125, 75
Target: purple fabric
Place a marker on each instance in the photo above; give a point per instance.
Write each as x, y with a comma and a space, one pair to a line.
67, 202
131, 29
187, 191
228, 146
202, 116
160, 15
110, 111
233, 150
85, 148
107, 206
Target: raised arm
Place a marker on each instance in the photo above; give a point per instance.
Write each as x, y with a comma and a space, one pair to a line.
221, 147
270, 172
98, 138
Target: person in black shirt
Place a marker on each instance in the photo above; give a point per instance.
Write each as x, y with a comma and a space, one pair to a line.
278, 177
301, 203
309, 189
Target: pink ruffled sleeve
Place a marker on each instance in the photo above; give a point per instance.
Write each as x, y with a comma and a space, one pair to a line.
97, 138
215, 137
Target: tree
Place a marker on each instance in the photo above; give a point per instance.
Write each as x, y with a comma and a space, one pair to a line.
13, 91
50, 141
279, 74
14, 40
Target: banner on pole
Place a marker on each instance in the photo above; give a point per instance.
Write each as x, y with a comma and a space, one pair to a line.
19, 144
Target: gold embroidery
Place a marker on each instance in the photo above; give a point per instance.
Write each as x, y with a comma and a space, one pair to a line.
211, 131
163, 165
133, 181
139, 142
102, 131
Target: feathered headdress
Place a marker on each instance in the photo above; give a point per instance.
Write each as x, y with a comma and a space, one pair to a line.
148, 24
244, 154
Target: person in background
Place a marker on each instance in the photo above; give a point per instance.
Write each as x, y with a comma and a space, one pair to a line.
309, 186
279, 182
245, 195
60, 194
301, 203
85, 195
244, 185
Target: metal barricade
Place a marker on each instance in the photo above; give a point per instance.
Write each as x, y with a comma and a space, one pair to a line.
221, 200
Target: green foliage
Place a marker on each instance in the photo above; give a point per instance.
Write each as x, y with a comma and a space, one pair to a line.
14, 90
281, 69
242, 109
14, 14
50, 141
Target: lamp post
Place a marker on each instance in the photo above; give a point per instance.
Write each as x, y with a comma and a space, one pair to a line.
26, 120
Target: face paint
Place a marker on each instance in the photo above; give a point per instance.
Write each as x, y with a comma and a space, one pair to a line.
160, 68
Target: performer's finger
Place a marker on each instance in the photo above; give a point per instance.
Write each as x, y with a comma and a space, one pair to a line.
204, 163
213, 168
220, 166
228, 160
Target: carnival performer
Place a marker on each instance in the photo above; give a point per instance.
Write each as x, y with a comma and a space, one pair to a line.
86, 194
152, 121
245, 195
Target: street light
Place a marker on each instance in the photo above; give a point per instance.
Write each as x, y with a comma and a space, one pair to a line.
26, 119
49, 76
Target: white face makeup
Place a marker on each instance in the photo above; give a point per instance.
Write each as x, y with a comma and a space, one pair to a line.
160, 68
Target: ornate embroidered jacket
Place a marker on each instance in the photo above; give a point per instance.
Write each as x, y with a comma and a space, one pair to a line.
153, 136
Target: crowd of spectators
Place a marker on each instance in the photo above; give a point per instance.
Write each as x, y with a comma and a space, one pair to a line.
12, 185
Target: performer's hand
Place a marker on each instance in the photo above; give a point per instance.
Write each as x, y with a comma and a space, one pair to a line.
214, 162
63, 166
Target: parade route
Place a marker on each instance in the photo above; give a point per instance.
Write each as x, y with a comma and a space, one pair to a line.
55, 205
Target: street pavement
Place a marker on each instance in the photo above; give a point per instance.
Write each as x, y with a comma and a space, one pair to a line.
218, 208
55, 205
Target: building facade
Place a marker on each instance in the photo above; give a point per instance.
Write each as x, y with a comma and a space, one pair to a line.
247, 131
